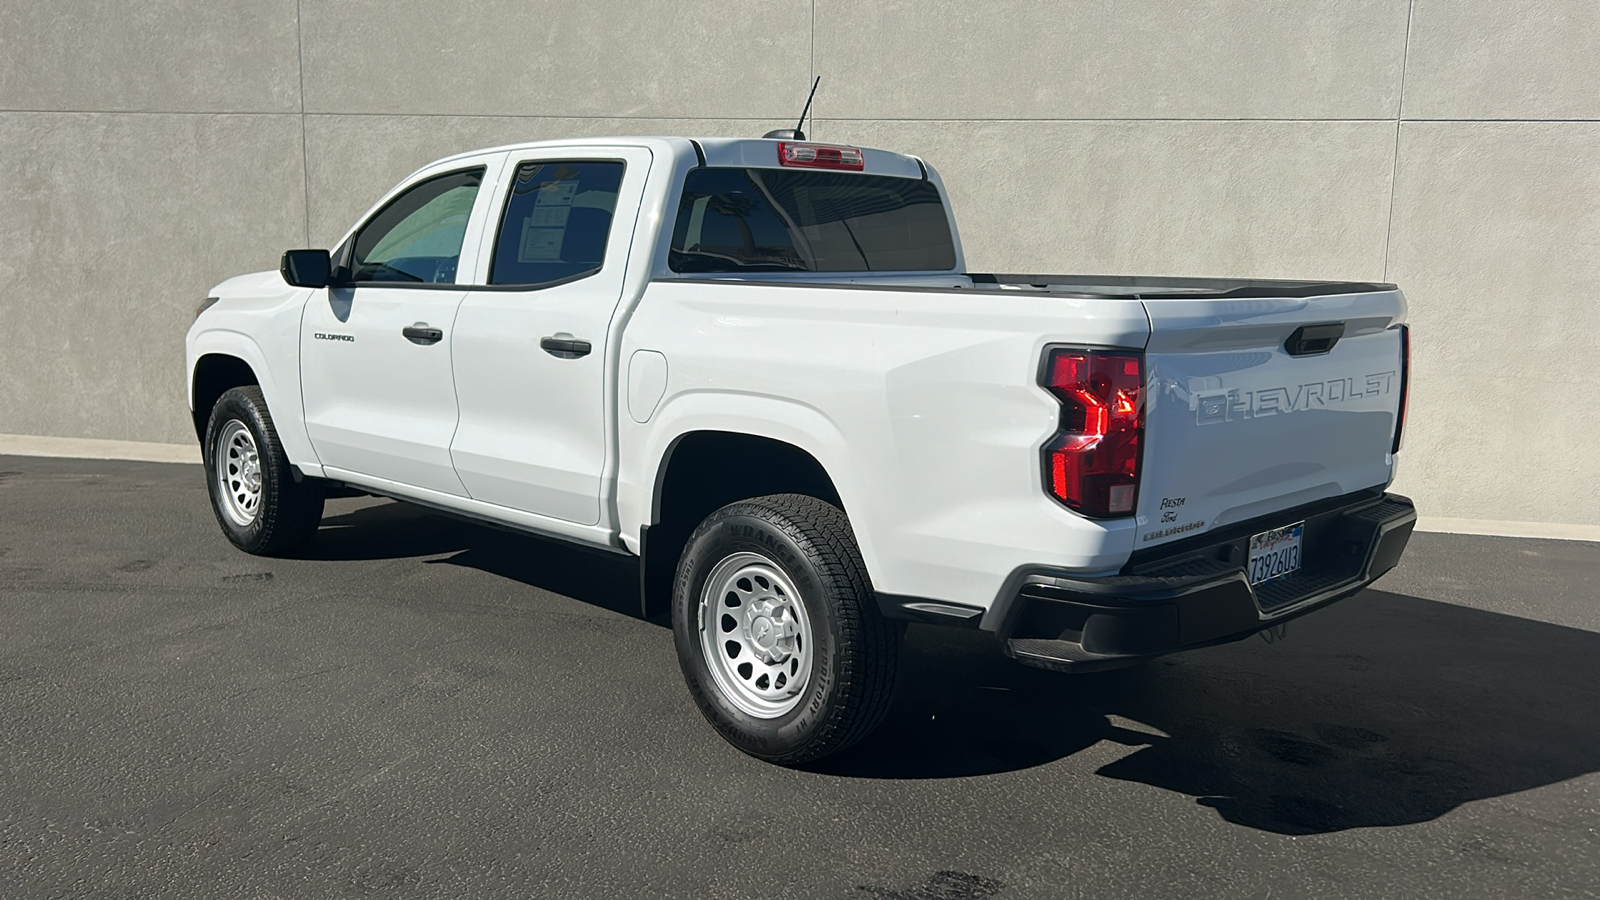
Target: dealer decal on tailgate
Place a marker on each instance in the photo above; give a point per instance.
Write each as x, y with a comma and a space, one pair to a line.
1176, 529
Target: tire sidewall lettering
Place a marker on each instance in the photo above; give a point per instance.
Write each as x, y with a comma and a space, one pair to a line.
706, 547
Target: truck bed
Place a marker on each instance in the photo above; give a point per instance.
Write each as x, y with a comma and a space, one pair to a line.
1142, 286
1113, 287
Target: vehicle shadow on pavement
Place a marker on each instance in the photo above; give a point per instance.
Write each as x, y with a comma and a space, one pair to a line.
387, 529
1384, 710
390, 530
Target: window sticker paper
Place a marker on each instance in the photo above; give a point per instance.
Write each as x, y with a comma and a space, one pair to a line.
546, 227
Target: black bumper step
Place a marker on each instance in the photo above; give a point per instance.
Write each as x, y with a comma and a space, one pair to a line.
1199, 595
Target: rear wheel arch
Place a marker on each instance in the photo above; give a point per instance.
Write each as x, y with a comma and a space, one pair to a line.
703, 471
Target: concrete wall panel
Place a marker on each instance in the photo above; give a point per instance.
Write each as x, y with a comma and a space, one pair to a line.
1025, 59
356, 159
1497, 243
507, 57
115, 227
1265, 199
1504, 59
154, 148
153, 55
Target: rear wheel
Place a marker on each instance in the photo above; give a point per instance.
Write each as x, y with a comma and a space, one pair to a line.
778, 635
258, 503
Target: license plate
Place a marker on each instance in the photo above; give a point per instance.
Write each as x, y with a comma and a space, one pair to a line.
1275, 553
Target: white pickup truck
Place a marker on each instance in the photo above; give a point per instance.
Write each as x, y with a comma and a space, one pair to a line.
762, 367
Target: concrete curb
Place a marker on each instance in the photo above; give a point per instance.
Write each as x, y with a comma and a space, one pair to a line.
90, 448
1498, 528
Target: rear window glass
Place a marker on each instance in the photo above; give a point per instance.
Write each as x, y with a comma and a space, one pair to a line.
775, 220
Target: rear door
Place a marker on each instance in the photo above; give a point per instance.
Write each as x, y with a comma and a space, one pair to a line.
532, 340
375, 351
1248, 414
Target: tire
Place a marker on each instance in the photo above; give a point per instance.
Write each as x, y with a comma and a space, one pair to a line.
258, 503
780, 584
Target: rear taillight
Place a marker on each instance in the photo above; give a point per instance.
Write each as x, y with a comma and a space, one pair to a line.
1092, 463
820, 156
1405, 387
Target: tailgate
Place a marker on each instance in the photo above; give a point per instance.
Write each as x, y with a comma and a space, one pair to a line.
1237, 426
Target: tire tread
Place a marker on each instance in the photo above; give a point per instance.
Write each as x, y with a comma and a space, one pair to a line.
290, 510
869, 645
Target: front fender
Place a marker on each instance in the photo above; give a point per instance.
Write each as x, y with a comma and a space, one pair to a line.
280, 388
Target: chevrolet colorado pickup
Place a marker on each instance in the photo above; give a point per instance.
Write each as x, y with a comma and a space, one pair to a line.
762, 368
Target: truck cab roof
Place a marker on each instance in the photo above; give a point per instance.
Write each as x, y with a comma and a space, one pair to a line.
760, 153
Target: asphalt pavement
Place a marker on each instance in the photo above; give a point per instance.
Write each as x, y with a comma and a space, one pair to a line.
418, 707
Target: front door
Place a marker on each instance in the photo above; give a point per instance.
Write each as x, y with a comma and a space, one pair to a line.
375, 351
531, 343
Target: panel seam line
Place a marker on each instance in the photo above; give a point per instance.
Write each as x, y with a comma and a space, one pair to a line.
813, 75
305, 151
1399, 117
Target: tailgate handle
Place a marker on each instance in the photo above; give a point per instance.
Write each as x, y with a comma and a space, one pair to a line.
1313, 340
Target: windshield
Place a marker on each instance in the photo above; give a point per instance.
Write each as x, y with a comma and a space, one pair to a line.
773, 220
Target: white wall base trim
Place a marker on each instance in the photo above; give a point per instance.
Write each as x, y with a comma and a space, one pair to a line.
1501, 528
93, 448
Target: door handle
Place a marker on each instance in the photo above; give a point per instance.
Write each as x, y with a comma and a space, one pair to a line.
422, 333
562, 345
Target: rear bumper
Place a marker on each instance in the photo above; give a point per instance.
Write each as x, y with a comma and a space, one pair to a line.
1195, 593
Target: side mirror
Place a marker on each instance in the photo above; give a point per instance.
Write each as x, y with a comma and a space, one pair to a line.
307, 268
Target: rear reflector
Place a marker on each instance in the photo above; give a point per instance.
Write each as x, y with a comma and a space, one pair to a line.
1092, 463
820, 156
1405, 387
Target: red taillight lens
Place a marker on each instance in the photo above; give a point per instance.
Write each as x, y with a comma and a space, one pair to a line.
1092, 464
820, 156
1405, 387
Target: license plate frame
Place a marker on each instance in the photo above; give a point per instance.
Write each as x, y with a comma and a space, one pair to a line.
1275, 553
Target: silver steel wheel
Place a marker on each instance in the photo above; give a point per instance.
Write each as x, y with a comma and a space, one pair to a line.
755, 635
238, 465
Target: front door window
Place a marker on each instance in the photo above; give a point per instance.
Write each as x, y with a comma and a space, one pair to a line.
417, 237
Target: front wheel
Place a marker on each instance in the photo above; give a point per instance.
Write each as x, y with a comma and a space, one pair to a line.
259, 505
777, 631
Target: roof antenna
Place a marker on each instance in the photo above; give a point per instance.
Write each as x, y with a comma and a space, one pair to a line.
795, 134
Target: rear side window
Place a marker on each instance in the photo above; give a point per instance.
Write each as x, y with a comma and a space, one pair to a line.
773, 220
556, 222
